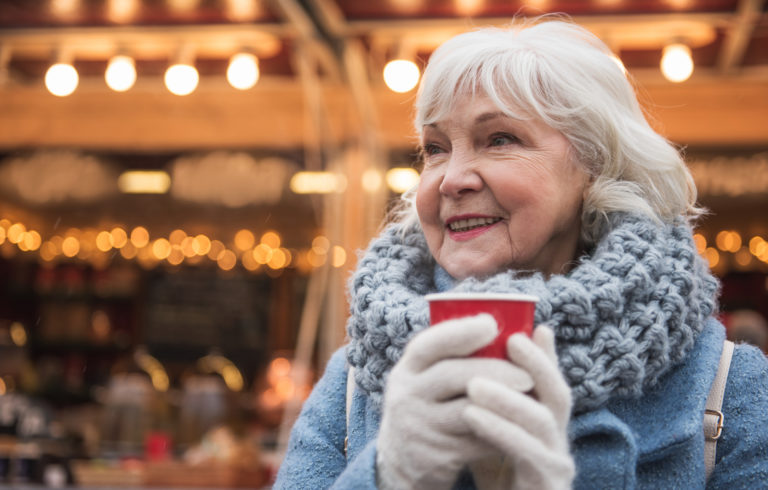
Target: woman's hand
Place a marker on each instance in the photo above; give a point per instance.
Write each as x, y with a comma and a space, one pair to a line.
528, 431
424, 441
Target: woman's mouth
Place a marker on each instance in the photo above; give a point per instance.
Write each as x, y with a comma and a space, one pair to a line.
467, 224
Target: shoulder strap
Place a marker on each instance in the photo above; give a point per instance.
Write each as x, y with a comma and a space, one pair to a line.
350, 392
713, 416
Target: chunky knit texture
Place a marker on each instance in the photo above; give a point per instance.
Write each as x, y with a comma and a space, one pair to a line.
623, 316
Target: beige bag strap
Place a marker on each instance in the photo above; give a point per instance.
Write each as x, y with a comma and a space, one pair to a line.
350, 392
713, 416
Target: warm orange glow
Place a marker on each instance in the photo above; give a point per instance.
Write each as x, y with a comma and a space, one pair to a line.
181, 79
244, 239
271, 238
280, 366
104, 241
161, 248
176, 256
227, 260
87, 245
70, 246
100, 325
129, 251
315, 259
121, 73
676, 62
700, 242
32, 240
285, 388
22, 246
201, 245
48, 251
728, 241
18, 334
339, 256
216, 249
176, 237
262, 253
119, 237
758, 246
401, 75
61, 79
269, 398
302, 264
743, 257
321, 245
278, 259
15, 232
146, 258
187, 247
712, 256
243, 71
57, 241
140, 237
248, 261
401, 179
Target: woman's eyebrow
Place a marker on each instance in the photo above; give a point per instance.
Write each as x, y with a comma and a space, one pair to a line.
487, 116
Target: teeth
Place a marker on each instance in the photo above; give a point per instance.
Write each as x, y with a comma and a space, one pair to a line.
468, 224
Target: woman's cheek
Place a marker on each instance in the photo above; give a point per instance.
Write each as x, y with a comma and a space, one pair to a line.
427, 197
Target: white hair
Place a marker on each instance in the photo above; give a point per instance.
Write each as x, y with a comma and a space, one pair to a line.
559, 72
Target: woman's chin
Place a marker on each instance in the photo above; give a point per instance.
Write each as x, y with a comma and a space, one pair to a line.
460, 271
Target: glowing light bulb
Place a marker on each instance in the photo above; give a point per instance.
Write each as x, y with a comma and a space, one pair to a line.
339, 256
243, 71
401, 75
676, 63
402, 179
61, 79
139, 237
244, 239
371, 180
181, 79
271, 239
306, 182
121, 73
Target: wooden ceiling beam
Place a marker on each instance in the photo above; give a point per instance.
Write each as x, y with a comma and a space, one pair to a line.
291, 11
738, 35
272, 115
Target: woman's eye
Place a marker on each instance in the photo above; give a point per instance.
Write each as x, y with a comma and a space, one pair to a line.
502, 139
432, 149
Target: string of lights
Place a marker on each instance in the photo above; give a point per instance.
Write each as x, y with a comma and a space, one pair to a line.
100, 247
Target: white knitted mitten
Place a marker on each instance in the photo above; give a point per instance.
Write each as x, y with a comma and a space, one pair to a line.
424, 441
529, 430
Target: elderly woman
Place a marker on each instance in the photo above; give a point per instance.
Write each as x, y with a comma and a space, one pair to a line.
541, 176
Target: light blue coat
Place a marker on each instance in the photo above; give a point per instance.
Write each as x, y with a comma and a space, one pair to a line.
654, 442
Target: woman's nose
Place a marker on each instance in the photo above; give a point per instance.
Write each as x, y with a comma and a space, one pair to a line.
460, 177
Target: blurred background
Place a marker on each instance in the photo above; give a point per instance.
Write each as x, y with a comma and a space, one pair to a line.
185, 186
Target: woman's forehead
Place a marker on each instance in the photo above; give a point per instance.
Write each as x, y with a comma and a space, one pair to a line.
474, 104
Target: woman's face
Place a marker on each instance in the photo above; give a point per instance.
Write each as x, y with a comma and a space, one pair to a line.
498, 193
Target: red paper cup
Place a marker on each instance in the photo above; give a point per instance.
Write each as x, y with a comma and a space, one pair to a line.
513, 313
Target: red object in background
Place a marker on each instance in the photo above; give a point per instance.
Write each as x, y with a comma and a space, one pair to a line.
157, 446
513, 313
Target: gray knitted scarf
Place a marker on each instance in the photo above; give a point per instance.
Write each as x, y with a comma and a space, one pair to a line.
624, 315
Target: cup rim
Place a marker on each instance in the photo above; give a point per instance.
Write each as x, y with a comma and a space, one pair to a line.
468, 296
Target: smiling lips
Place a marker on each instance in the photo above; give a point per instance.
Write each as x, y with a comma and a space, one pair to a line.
467, 224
